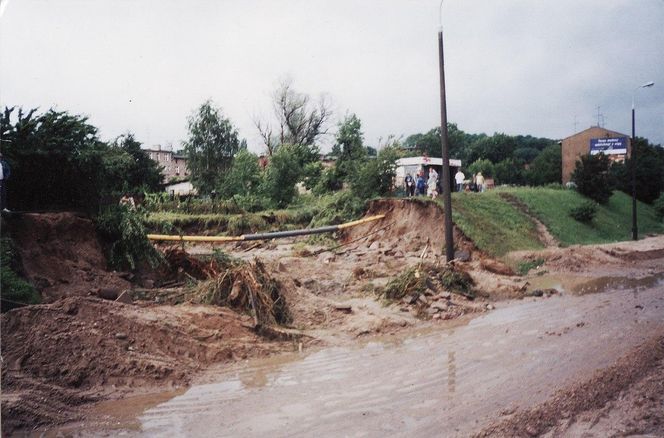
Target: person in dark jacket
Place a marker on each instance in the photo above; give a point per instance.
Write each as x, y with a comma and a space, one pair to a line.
421, 185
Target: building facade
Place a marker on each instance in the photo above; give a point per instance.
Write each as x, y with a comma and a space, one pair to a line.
592, 141
174, 166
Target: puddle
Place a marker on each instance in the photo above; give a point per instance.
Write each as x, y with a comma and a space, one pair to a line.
585, 285
125, 412
113, 415
602, 284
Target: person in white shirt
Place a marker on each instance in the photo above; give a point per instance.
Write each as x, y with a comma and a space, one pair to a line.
432, 183
459, 177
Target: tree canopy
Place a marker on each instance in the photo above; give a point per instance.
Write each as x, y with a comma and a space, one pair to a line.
210, 147
58, 161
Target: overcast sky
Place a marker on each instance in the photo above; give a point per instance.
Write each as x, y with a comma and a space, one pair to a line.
514, 66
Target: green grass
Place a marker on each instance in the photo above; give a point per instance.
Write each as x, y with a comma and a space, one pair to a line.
613, 221
493, 224
308, 211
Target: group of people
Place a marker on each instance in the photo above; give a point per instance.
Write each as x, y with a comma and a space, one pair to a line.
478, 184
420, 186
430, 186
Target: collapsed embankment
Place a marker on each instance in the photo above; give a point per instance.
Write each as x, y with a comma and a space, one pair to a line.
80, 348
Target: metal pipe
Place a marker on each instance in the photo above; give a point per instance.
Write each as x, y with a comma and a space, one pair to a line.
263, 236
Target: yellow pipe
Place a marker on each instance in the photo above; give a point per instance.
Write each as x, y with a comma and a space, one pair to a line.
361, 221
196, 238
242, 237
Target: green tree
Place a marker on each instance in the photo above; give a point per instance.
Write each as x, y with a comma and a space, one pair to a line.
546, 168
349, 146
376, 176
526, 154
508, 171
244, 176
430, 144
56, 160
496, 148
330, 181
484, 166
649, 171
282, 173
592, 177
135, 166
210, 147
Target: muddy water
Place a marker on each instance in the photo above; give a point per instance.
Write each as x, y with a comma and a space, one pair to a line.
448, 383
580, 285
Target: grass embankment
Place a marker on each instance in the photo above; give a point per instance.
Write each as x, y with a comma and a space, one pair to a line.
612, 223
493, 224
498, 227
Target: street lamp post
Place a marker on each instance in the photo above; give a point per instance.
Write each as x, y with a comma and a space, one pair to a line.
635, 232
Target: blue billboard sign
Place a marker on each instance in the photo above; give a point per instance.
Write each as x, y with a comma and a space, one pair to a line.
608, 146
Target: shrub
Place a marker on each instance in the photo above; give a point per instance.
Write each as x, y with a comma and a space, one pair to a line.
330, 181
339, 208
482, 165
526, 266
585, 212
15, 290
127, 243
376, 176
593, 179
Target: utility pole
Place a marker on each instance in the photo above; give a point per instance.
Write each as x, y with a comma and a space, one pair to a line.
632, 159
447, 195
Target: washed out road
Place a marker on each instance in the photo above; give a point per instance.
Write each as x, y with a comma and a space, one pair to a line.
450, 382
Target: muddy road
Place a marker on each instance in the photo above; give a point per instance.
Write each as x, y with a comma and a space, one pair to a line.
451, 382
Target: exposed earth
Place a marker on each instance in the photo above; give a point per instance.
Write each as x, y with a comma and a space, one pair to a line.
66, 361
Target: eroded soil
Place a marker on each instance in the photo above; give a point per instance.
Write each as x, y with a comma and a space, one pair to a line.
61, 357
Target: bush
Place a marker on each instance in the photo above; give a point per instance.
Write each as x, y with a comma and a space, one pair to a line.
339, 208
585, 212
593, 179
251, 203
330, 181
127, 243
483, 165
658, 205
376, 177
15, 290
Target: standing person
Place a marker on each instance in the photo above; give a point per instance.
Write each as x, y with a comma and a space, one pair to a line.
479, 180
421, 185
432, 184
459, 177
433, 171
410, 185
5, 172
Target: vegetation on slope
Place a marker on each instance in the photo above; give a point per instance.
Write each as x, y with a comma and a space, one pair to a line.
493, 224
612, 222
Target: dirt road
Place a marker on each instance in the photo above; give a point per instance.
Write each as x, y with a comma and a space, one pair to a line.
449, 383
